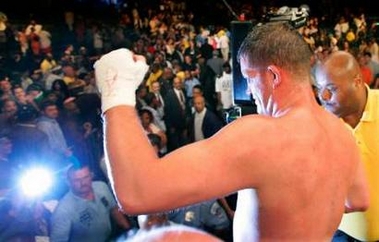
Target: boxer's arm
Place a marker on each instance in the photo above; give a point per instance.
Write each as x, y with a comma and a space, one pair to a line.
232, 159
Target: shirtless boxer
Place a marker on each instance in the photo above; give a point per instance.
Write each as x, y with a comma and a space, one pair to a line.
296, 165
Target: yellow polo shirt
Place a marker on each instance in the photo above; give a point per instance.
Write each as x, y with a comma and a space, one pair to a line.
152, 78
365, 225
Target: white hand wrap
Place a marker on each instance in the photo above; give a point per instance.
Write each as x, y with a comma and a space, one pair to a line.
117, 78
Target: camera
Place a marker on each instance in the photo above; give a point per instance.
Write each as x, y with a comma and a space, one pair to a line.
232, 114
297, 17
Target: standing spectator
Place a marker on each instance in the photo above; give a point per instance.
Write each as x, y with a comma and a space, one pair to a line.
176, 112
190, 65
23, 100
7, 167
45, 41
141, 93
86, 211
30, 144
224, 89
8, 114
98, 39
156, 90
60, 88
224, 41
189, 82
7, 38
155, 73
48, 124
344, 93
5, 88
373, 48
36, 92
375, 84
216, 63
48, 63
366, 73
166, 80
34, 42
192, 50
373, 65
203, 123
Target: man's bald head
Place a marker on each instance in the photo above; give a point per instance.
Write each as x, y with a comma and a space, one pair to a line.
174, 233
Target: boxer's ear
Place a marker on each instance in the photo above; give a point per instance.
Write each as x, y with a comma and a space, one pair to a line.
275, 76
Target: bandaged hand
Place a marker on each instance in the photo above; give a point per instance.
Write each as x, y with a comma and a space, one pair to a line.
118, 75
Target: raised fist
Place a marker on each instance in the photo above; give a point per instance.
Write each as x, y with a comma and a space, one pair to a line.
118, 75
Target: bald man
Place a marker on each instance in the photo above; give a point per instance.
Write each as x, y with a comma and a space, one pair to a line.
343, 92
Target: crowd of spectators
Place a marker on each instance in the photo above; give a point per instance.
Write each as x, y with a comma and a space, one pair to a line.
50, 108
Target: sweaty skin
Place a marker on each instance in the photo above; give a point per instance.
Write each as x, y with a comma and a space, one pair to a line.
296, 166
300, 195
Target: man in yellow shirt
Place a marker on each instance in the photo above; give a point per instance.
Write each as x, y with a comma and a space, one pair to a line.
155, 73
343, 92
48, 63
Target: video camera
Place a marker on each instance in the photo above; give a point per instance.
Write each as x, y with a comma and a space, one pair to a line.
297, 17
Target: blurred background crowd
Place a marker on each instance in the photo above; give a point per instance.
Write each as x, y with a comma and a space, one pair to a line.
50, 110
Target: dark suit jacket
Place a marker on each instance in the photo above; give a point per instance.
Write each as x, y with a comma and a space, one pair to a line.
174, 115
211, 124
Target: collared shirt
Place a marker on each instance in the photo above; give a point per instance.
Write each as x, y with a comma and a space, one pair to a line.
160, 107
159, 98
78, 219
181, 97
189, 84
54, 132
199, 117
365, 225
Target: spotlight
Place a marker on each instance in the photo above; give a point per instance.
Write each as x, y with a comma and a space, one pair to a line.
36, 182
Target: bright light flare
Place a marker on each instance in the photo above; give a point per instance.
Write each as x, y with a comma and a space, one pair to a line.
35, 182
